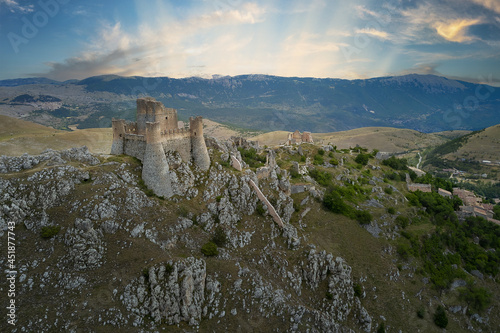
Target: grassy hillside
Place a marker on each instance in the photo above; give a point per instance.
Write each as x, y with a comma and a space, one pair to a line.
382, 138
18, 137
481, 145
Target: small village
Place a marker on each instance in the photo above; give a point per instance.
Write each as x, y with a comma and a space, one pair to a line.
472, 204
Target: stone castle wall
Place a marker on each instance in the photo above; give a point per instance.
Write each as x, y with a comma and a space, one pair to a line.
155, 133
181, 145
134, 145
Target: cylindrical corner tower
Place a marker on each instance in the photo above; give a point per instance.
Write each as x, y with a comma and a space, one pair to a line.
155, 167
198, 146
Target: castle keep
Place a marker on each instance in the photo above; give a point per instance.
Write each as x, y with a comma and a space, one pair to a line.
155, 133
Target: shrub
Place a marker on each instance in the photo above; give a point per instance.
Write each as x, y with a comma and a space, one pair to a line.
358, 291
329, 296
210, 249
381, 328
363, 217
396, 163
145, 273
296, 207
182, 211
251, 157
388, 190
440, 318
334, 161
303, 158
404, 251
391, 210
318, 160
402, 221
321, 152
218, 198
362, 159
334, 202
169, 269
322, 177
294, 174
421, 313
49, 231
260, 209
219, 237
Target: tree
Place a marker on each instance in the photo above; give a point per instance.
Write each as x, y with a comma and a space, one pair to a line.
440, 318
476, 297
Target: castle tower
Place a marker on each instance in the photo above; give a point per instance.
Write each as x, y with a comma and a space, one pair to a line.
118, 136
198, 146
150, 110
155, 167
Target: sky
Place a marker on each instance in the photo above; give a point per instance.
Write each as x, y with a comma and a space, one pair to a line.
349, 39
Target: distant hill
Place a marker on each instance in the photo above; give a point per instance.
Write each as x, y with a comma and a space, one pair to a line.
476, 146
32, 80
382, 138
424, 103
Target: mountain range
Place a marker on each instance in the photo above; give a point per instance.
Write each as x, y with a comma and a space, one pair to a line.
425, 103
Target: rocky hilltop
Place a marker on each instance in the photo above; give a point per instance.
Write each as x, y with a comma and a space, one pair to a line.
95, 250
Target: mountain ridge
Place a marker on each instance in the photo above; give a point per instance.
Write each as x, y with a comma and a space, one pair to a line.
425, 103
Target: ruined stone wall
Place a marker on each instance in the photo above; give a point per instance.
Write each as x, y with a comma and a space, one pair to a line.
266, 202
419, 187
131, 127
307, 137
181, 145
134, 145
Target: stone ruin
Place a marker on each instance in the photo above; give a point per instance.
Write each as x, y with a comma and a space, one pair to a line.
298, 138
155, 133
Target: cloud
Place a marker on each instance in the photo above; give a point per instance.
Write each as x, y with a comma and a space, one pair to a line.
171, 48
364, 12
489, 4
373, 32
431, 22
455, 31
14, 6
422, 68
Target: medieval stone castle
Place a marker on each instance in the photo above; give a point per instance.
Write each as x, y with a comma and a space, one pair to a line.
155, 133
